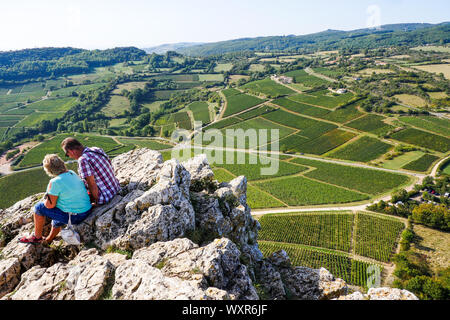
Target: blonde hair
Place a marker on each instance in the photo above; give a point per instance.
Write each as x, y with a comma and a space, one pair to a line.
53, 165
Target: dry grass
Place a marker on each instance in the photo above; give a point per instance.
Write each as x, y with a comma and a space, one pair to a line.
411, 100
128, 86
369, 71
435, 245
436, 68
437, 95
237, 77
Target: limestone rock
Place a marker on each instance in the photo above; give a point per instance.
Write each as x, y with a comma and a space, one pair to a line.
41, 283
354, 296
390, 294
201, 173
302, 283
138, 280
219, 263
84, 278
162, 251
383, 293
137, 168
18, 215
9, 275
28, 255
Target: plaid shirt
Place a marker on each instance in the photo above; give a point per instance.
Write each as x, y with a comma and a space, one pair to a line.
99, 166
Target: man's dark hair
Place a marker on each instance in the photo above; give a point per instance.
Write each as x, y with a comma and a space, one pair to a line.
71, 144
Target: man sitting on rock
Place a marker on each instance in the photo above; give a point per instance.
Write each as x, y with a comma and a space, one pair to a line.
95, 168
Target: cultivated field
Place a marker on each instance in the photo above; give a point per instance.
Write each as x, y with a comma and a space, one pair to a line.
330, 239
423, 139
364, 149
267, 87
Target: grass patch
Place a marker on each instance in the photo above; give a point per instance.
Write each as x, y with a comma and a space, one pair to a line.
422, 164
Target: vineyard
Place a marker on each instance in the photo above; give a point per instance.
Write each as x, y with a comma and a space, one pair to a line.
423, 139
377, 237
330, 240
364, 149
267, 87
238, 102
422, 164
360, 179
332, 231
340, 265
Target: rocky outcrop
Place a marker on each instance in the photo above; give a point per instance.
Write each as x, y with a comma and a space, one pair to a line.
173, 232
381, 294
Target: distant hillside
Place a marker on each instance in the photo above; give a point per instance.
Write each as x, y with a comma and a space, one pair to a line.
412, 34
44, 62
161, 49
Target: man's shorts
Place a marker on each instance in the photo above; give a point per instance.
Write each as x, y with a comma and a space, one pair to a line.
59, 217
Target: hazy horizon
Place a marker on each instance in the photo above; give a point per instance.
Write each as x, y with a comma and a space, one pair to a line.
143, 24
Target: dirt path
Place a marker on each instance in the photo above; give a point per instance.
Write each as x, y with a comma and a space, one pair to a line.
5, 165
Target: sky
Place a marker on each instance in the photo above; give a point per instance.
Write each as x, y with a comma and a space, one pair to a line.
101, 24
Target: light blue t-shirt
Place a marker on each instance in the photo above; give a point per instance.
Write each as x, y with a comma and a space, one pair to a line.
71, 192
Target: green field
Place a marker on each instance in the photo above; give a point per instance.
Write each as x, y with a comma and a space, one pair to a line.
251, 128
423, 139
116, 105
326, 239
364, 149
326, 142
35, 118
323, 98
64, 92
35, 156
239, 102
200, 111
422, 164
433, 124
309, 128
54, 105
301, 107
401, 160
224, 123
146, 143
255, 112
327, 230
250, 166
300, 76
369, 181
300, 191
223, 67
267, 87
182, 120
370, 123
343, 114
377, 237
214, 77
18, 186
